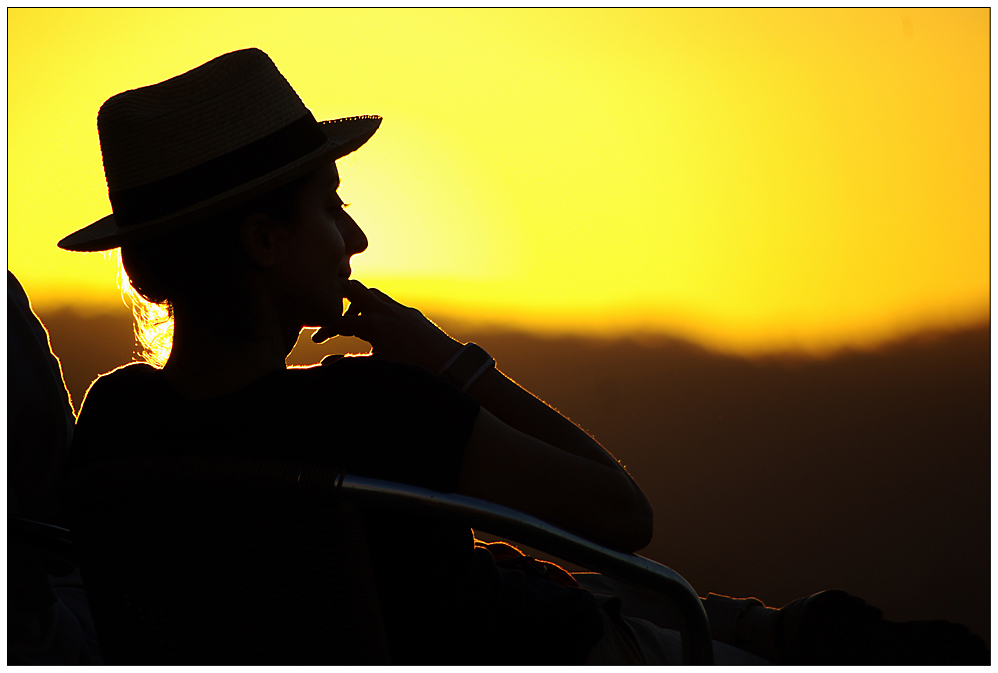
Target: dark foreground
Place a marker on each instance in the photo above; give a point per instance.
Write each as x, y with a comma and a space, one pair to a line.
775, 478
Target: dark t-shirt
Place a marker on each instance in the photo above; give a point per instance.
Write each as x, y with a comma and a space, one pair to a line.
443, 601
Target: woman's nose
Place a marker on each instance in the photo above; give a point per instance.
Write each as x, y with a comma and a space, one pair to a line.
353, 236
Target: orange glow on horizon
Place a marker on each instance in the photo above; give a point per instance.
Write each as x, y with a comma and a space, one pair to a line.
753, 179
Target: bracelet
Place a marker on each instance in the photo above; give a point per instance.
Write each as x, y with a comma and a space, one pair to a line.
466, 366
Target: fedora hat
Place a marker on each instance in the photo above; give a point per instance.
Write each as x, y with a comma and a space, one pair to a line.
199, 143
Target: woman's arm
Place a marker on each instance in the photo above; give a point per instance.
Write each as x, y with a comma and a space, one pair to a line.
599, 502
521, 453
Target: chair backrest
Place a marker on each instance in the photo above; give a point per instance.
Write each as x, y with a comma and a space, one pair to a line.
221, 560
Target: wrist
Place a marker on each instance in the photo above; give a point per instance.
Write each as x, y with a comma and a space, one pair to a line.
443, 355
466, 365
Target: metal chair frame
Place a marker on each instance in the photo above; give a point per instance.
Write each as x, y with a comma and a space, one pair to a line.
528, 530
52, 543
327, 484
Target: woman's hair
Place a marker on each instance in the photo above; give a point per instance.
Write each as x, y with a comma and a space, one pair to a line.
203, 273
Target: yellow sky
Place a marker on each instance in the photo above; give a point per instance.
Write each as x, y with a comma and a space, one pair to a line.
752, 179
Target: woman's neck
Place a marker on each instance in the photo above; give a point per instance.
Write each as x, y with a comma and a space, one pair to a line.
206, 362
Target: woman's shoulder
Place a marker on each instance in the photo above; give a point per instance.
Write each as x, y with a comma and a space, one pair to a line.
114, 412
122, 381
122, 389
366, 367
375, 378
130, 371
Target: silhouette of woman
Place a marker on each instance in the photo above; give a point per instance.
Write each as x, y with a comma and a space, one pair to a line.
224, 195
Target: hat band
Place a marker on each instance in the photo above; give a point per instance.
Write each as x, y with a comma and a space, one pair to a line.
154, 200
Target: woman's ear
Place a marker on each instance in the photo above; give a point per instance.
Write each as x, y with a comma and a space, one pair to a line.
262, 239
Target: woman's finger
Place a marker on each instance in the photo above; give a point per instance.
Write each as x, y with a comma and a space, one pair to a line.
384, 297
323, 334
358, 291
354, 326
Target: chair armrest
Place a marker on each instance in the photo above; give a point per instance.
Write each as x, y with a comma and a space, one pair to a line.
531, 531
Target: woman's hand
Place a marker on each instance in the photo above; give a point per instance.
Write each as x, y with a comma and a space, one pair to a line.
522, 453
395, 331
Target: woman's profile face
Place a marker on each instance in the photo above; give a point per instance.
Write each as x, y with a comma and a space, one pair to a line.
315, 271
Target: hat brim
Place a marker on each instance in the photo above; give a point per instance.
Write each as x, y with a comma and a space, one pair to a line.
343, 136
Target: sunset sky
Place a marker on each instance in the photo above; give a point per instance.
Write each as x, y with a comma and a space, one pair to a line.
751, 179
